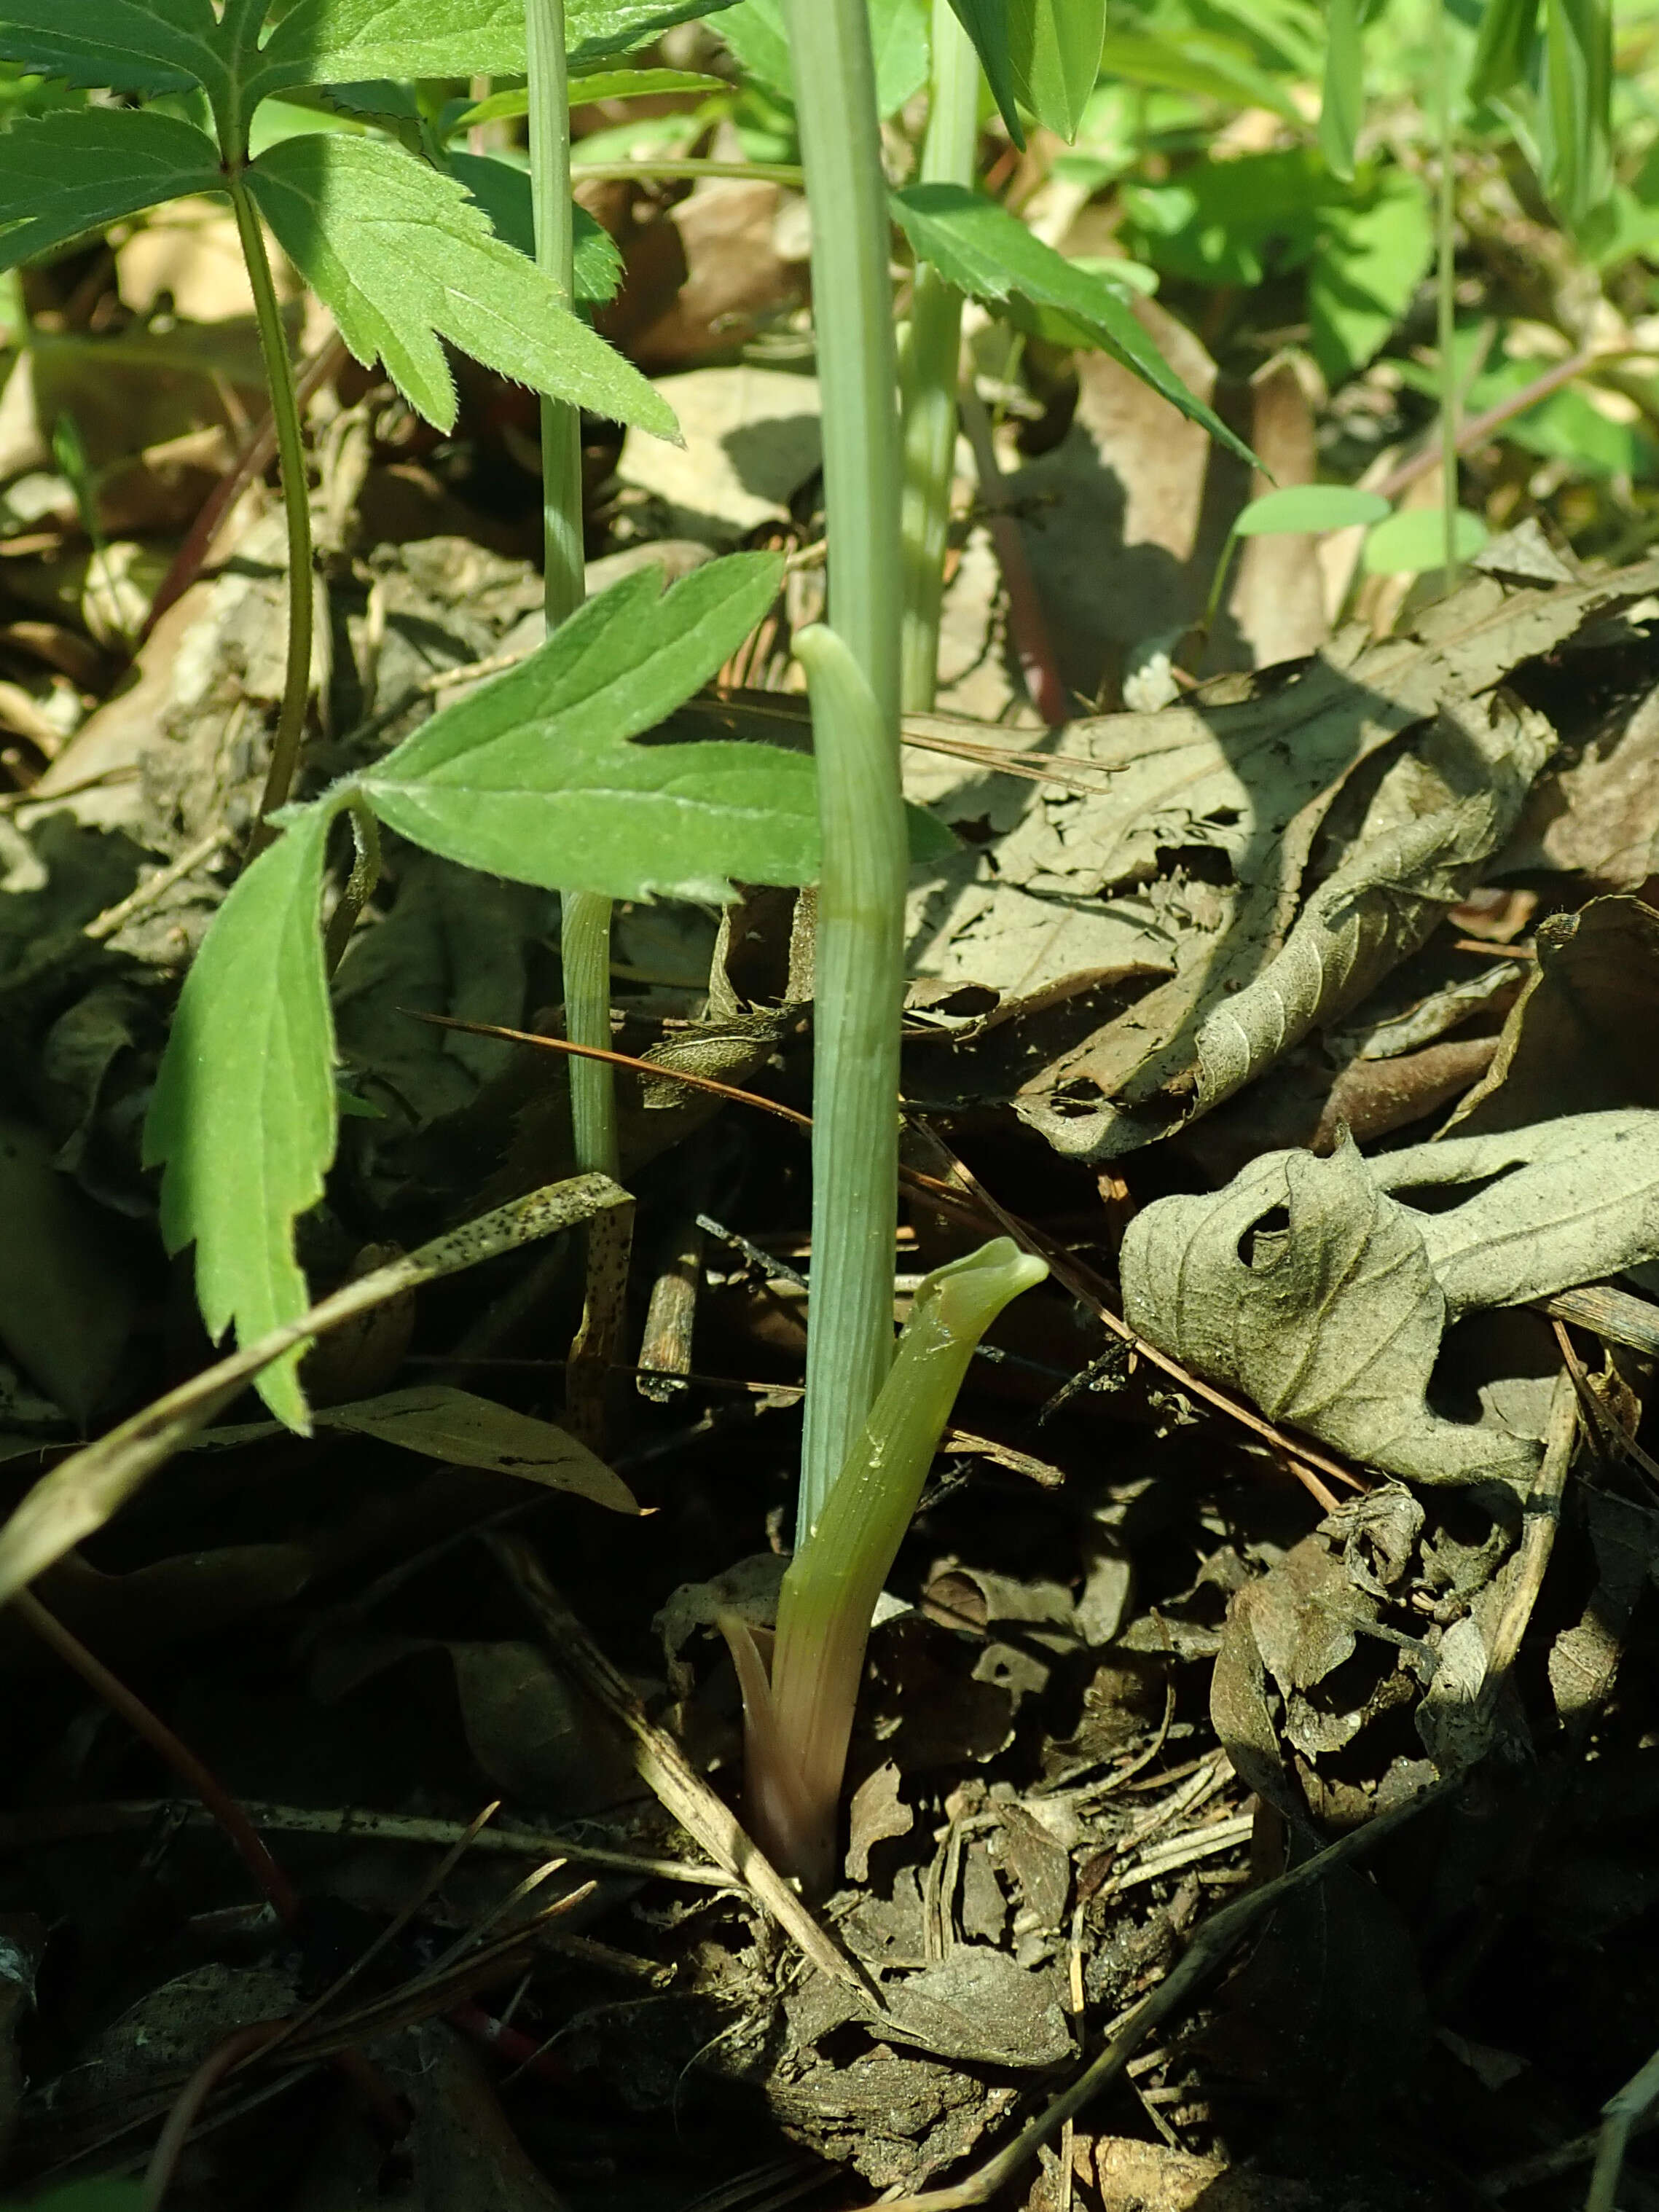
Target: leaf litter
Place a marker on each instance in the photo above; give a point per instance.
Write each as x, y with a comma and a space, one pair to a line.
1094, 1714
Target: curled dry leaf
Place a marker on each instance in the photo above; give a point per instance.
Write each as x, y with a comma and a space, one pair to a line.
1310, 1286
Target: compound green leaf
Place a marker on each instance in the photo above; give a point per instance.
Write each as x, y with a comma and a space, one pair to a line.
986, 251
403, 259
985, 22
80, 169
1503, 49
1054, 49
130, 46
243, 1118
502, 190
1309, 507
532, 778
1342, 109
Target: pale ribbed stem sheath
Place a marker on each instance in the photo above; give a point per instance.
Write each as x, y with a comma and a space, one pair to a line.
585, 928
830, 1591
857, 1001
855, 1085
931, 367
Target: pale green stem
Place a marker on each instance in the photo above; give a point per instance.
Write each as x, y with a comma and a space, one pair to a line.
861, 894
297, 507
584, 930
830, 1592
1446, 290
858, 1001
360, 885
931, 367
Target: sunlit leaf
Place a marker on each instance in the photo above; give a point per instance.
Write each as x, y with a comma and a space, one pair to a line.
986, 251
1342, 108
1207, 67
81, 168
1412, 542
1368, 259
758, 34
596, 84
243, 1116
985, 22
1309, 507
132, 46
403, 259
1053, 51
502, 190
531, 777
333, 41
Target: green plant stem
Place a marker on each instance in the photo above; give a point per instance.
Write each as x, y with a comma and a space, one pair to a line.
799, 1731
297, 507
1446, 290
855, 1092
360, 885
858, 1001
585, 924
770, 172
930, 369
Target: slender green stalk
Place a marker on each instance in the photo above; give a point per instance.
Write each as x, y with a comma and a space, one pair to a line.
297, 507
855, 728
360, 885
931, 367
799, 1728
584, 929
1445, 287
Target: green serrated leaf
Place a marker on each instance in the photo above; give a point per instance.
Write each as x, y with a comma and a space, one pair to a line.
1054, 49
403, 259
243, 1119
986, 251
502, 190
1342, 108
532, 777
80, 169
1502, 51
130, 46
1310, 507
985, 22
326, 41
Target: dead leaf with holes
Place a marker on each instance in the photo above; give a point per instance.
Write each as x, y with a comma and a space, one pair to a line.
1318, 1289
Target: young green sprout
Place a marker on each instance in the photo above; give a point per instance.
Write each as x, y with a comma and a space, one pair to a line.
799, 1714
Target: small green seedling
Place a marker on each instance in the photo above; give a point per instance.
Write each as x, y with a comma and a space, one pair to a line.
1298, 508
799, 1711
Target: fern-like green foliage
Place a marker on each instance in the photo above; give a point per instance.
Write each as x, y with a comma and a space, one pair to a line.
534, 777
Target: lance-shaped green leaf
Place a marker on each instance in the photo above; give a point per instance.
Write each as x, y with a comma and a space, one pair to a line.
503, 192
132, 46
1578, 91
531, 777
985, 22
243, 1115
337, 41
403, 259
79, 168
986, 251
1502, 51
1054, 50
589, 85
1342, 109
